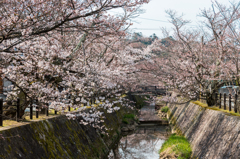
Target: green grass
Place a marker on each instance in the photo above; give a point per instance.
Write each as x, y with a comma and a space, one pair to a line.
125, 121
129, 116
177, 145
166, 119
165, 109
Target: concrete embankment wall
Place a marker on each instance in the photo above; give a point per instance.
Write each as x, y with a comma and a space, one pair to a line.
59, 137
212, 134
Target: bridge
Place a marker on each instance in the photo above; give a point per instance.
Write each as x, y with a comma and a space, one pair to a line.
150, 90
148, 114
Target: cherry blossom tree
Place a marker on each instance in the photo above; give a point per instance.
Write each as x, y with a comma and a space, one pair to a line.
68, 53
199, 62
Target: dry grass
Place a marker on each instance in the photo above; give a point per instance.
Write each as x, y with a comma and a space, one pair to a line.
200, 104
168, 153
215, 108
26, 118
40, 116
9, 122
124, 95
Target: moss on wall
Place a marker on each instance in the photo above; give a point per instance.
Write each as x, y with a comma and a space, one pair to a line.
60, 138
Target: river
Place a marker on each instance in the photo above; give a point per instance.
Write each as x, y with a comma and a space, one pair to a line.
143, 143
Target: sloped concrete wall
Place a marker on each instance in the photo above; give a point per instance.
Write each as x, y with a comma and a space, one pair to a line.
212, 134
59, 137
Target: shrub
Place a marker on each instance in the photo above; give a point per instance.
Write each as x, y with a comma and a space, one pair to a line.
129, 116
165, 119
165, 109
125, 121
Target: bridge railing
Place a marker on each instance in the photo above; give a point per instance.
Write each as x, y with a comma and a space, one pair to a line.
151, 89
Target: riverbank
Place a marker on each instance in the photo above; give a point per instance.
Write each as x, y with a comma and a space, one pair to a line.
175, 147
59, 137
212, 134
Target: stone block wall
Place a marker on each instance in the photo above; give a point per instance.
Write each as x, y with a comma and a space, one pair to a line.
58, 137
212, 134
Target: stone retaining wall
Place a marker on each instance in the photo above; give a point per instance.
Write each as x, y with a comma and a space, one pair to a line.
212, 134
59, 137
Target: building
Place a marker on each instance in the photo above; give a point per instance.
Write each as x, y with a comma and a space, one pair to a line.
4, 87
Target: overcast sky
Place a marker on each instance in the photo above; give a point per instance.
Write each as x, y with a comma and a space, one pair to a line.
154, 17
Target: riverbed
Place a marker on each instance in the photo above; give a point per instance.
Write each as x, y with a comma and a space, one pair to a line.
143, 143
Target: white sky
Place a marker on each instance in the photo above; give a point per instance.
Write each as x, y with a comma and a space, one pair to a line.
155, 10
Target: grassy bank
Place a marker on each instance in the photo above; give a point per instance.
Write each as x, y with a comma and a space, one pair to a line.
216, 108
129, 118
176, 146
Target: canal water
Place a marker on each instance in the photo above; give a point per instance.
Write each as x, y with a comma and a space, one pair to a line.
143, 143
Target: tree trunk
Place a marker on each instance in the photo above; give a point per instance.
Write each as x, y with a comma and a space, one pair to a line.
210, 99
